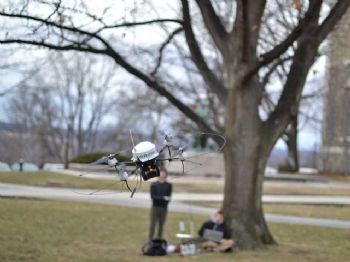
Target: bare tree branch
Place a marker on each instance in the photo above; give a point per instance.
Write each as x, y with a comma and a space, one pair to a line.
112, 53
47, 22
162, 47
289, 100
328, 24
213, 24
160, 90
272, 69
148, 22
279, 49
303, 59
209, 77
53, 46
252, 14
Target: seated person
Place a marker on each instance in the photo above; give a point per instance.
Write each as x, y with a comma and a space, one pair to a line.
220, 239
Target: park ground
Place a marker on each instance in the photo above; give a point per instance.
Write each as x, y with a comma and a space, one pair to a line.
40, 230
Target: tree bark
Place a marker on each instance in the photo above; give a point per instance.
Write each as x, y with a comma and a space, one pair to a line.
292, 144
67, 146
245, 154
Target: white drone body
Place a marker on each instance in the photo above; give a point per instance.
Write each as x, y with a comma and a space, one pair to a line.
144, 151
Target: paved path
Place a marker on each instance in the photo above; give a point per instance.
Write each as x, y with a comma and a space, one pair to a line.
34, 191
141, 200
205, 180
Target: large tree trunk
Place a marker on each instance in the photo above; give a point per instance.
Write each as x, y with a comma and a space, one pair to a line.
245, 156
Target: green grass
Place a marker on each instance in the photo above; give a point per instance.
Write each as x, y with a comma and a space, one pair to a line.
62, 231
331, 212
270, 188
195, 187
52, 179
302, 189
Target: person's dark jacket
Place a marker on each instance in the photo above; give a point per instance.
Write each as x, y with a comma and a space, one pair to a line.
218, 227
160, 193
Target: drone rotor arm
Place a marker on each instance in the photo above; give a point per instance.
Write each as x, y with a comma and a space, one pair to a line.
102, 160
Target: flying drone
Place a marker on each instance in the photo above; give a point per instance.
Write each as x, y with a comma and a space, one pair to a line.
146, 160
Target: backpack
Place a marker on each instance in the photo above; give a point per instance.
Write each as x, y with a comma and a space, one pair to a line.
155, 247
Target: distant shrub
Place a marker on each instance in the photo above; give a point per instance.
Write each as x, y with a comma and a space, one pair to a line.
93, 156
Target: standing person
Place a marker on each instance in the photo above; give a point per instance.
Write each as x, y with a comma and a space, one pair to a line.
160, 195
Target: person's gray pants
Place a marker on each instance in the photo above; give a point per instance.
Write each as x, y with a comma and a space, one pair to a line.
158, 216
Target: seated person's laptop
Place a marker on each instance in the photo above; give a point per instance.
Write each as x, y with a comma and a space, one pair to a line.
213, 235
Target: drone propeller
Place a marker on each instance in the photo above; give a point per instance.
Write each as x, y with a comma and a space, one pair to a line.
215, 151
104, 160
168, 142
167, 137
123, 175
178, 155
110, 160
180, 152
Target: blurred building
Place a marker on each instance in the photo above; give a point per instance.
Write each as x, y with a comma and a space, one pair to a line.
335, 149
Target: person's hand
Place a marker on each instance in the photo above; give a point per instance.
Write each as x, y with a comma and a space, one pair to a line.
166, 198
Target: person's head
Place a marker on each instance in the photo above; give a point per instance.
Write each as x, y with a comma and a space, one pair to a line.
219, 217
163, 173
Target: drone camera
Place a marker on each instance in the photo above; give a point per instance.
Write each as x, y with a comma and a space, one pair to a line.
149, 169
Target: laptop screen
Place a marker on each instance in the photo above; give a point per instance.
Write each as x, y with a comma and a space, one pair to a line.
213, 235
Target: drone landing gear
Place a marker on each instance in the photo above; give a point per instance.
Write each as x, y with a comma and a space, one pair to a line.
133, 191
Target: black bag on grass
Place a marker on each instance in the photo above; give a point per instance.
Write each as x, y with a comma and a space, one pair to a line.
155, 247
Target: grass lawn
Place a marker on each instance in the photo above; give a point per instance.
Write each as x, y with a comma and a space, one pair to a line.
302, 189
331, 212
270, 188
59, 180
32, 230
52, 179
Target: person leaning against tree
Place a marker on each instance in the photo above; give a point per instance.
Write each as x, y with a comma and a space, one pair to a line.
217, 223
160, 194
